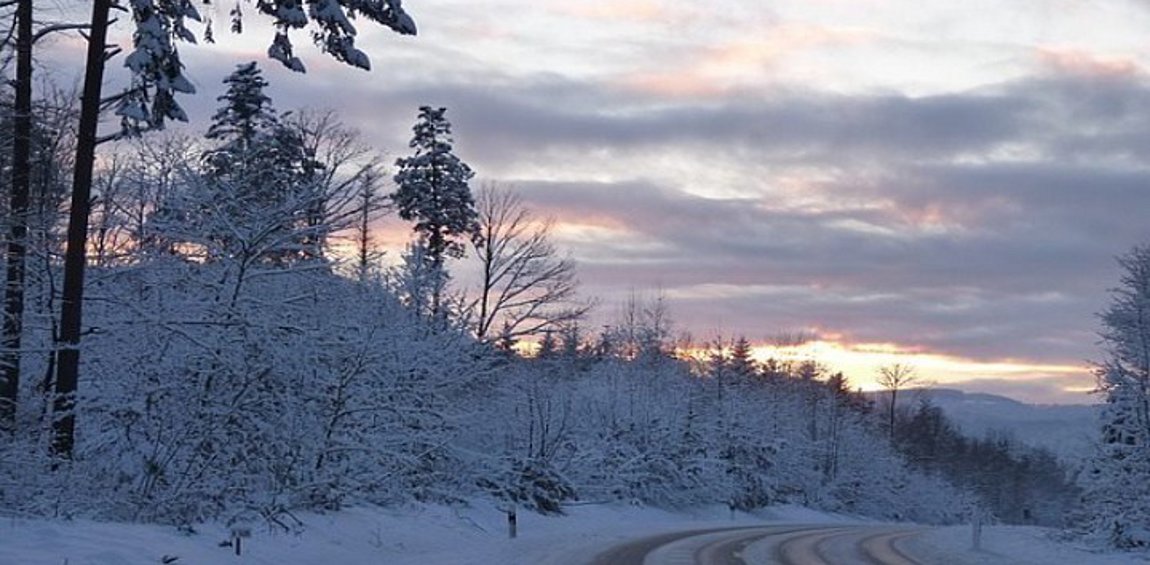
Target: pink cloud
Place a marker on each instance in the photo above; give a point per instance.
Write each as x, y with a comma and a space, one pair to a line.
725, 65
1086, 64
629, 10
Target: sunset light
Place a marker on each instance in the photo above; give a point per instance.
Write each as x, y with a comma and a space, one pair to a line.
860, 363
592, 282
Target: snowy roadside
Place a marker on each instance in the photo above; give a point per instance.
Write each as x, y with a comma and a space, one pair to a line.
434, 535
410, 536
1008, 545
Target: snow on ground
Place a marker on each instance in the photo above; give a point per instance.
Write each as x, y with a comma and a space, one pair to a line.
1008, 545
433, 535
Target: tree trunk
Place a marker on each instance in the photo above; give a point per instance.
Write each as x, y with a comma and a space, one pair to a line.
893, 398
75, 257
18, 210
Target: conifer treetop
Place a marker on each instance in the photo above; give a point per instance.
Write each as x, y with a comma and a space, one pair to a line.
432, 187
245, 109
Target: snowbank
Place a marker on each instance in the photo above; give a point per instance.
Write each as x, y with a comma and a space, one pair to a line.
435, 535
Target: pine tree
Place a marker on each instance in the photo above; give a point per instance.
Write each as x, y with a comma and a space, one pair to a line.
743, 364
1119, 479
246, 110
432, 190
261, 182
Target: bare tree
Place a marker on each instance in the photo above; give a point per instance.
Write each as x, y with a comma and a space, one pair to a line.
894, 378
526, 287
134, 185
371, 203
19, 39
350, 177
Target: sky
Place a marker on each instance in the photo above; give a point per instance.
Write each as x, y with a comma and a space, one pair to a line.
935, 183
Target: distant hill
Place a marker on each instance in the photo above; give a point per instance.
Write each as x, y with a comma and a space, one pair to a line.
1065, 429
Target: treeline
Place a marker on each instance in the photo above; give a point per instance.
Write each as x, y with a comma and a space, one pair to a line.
1017, 484
308, 390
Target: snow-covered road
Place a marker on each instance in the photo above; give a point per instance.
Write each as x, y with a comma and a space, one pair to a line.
768, 545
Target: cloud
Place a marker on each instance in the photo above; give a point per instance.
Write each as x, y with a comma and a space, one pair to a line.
978, 221
740, 60
970, 223
647, 11
1087, 64
523, 118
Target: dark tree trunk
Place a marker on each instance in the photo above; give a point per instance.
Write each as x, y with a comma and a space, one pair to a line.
18, 210
75, 256
893, 398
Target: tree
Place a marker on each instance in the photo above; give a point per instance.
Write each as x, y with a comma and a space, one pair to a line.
134, 188
1119, 479
432, 190
894, 378
743, 364
75, 251
21, 39
157, 74
262, 182
245, 114
349, 182
526, 288
643, 330
415, 281
18, 211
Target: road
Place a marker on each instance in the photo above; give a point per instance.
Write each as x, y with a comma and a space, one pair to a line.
768, 545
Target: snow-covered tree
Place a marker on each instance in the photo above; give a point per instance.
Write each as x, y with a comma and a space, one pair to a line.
157, 74
246, 111
416, 281
432, 190
1118, 482
15, 258
260, 187
35, 189
157, 71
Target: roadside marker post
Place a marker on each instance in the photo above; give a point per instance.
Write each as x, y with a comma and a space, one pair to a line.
976, 529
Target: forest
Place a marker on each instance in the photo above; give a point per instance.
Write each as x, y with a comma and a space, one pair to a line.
247, 350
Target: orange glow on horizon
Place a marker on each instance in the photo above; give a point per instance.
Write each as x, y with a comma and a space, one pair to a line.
860, 363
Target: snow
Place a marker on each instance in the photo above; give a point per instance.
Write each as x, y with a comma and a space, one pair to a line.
1008, 545
438, 535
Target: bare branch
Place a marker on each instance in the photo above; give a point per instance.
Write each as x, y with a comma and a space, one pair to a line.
54, 28
526, 288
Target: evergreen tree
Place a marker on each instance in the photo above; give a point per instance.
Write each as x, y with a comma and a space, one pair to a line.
261, 182
246, 110
1119, 479
432, 190
743, 364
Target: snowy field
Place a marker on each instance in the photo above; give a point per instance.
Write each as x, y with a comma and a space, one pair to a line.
437, 535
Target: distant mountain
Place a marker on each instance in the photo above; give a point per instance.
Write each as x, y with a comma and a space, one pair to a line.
1065, 429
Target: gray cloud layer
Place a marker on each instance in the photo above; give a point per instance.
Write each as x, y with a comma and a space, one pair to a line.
979, 223
984, 222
